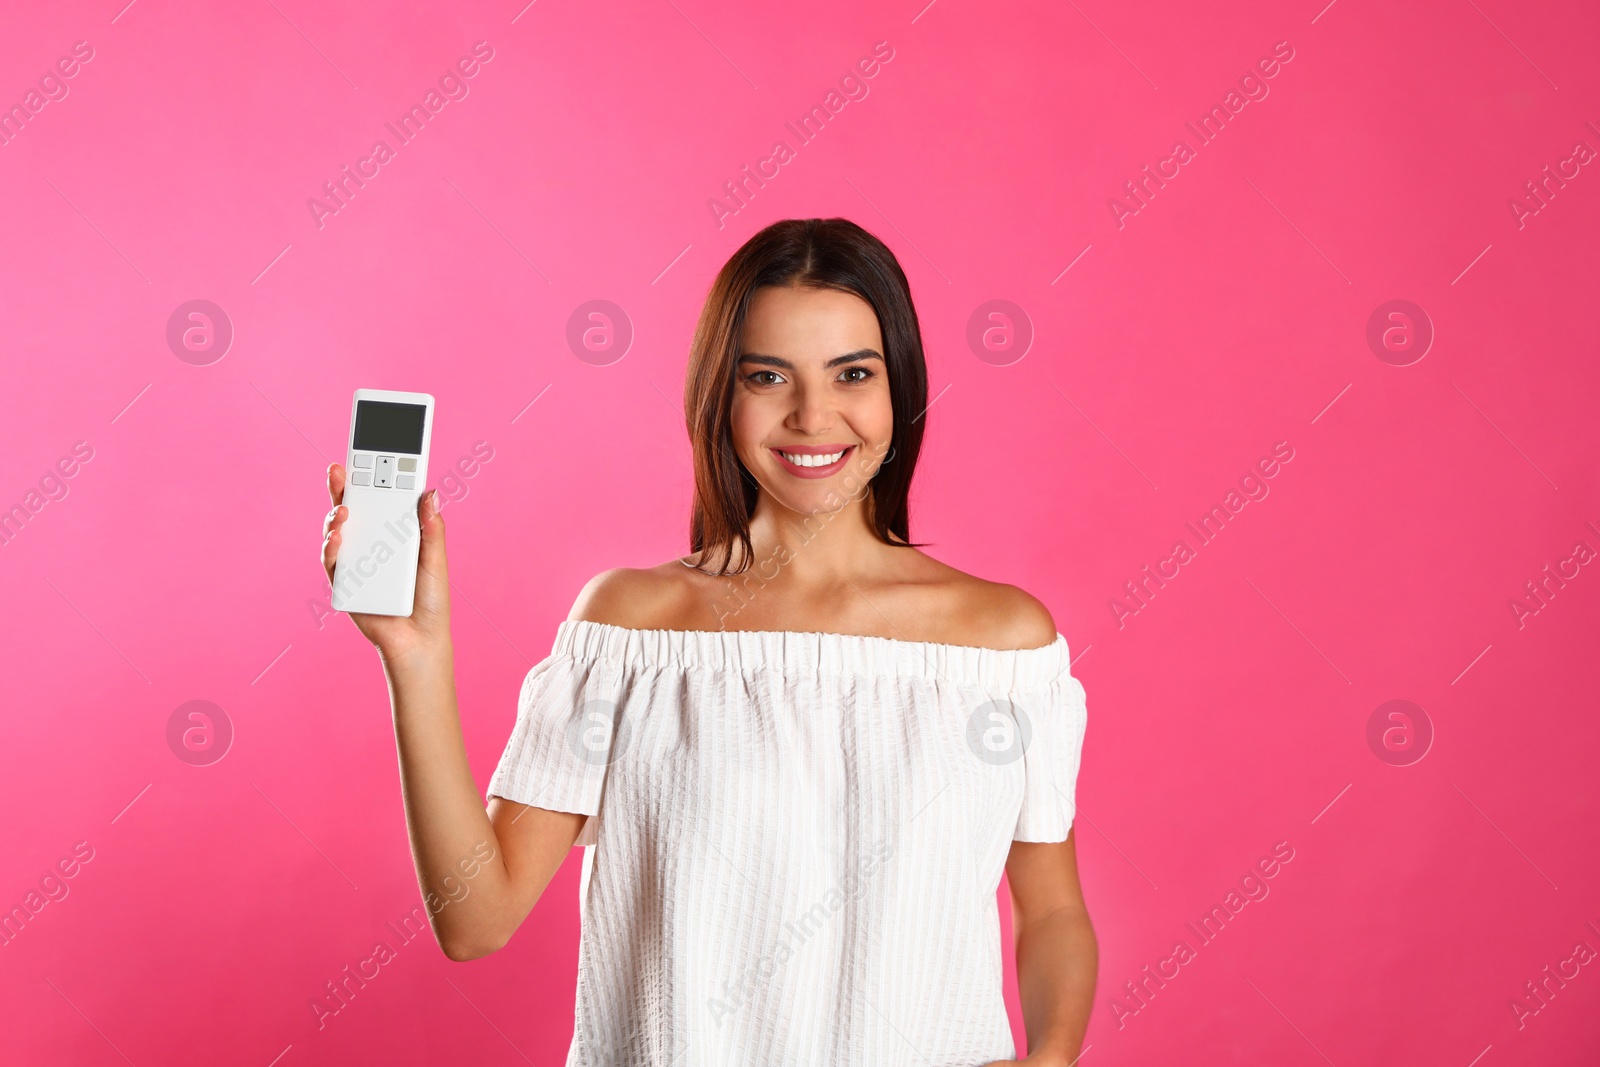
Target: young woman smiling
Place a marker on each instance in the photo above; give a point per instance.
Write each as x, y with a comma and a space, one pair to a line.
799, 808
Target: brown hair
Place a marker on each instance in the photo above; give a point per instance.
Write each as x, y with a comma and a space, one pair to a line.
821, 254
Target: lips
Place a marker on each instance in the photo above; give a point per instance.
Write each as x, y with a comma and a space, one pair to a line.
813, 461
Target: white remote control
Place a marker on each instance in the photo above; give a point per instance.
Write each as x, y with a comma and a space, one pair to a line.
386, 471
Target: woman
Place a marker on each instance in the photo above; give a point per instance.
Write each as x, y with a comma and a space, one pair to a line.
803, 753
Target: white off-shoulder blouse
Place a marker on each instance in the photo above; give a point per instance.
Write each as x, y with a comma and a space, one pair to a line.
795, 838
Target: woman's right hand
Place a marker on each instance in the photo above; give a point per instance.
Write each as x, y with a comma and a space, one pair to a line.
427, 628
446, 817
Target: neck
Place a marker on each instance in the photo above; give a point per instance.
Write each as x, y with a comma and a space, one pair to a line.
815, 549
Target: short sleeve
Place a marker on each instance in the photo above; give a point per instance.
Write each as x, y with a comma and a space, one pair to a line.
1057, 716
561, 744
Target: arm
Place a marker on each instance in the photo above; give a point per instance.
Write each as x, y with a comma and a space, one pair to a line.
1057, 953
480, 871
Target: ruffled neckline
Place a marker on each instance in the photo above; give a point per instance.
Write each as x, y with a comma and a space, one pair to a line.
795, 653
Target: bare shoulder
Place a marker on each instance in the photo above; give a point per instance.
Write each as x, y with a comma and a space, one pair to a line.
995, 614
1014, 617
639, 598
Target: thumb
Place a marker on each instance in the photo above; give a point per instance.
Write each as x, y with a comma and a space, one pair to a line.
432, 525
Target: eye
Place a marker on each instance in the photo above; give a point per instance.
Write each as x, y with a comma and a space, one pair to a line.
863, 371
756, 377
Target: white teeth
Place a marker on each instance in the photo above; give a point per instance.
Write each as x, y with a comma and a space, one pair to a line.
812, 461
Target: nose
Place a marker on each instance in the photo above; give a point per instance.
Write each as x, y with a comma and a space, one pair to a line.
812, 413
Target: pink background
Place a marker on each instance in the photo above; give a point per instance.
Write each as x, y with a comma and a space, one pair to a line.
1227, 714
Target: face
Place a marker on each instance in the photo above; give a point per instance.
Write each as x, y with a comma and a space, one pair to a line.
812, 416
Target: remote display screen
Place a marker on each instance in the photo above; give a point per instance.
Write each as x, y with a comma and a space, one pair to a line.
385, 427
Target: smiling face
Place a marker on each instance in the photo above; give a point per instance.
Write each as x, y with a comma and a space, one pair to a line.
811, 410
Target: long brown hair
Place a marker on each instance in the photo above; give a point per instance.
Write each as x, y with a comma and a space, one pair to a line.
821, 254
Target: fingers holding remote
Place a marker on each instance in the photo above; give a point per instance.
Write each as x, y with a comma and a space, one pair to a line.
334, 521
336, 483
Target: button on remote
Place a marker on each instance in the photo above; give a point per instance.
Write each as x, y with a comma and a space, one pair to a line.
406, 481
408, 463
383, 473
360, 477
363, 460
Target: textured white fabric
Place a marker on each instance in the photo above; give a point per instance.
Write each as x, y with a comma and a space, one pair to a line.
796, 838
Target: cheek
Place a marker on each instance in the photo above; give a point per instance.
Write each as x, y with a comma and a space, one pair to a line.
748, 425
872, 415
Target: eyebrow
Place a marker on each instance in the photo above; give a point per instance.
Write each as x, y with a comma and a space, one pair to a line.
858, 356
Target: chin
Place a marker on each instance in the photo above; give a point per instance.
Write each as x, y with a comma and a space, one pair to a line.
817, 503
815, 499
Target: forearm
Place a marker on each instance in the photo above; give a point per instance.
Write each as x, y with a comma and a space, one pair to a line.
460, 867
1058, 958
